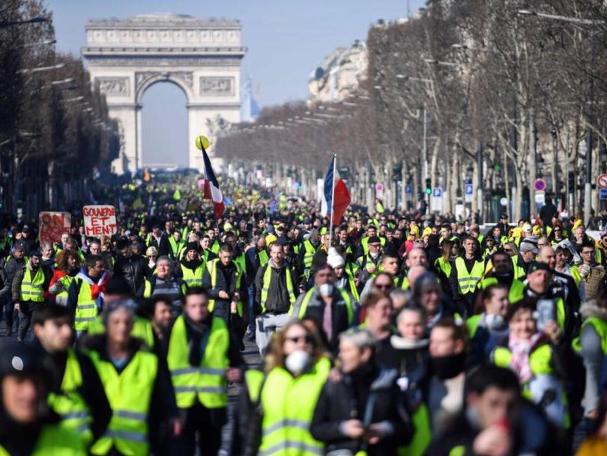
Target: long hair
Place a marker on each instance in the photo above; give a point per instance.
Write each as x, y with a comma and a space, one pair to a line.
276, 356
63, 257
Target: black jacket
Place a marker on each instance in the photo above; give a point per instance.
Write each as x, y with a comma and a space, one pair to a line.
161, 244
227, 280
351, 397
132, 269
278, 294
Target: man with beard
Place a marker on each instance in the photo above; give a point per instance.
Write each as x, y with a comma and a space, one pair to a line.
502, 272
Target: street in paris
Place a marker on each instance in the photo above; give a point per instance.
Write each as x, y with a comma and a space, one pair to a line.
303, 228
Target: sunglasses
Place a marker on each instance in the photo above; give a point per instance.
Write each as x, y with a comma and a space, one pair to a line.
296, 339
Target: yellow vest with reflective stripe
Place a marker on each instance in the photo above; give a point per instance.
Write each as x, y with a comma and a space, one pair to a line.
206, 382
308, 296
265, 287
32, 288
212, 268
69, 404
467, 280
285, 428
192, 278
61, 297
309, 253
86, 309
55, 440
129, 393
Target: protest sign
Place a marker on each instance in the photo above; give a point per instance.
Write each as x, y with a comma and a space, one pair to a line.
99, 220
53, 224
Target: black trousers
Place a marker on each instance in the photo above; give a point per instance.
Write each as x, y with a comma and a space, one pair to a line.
202, 430
26, 309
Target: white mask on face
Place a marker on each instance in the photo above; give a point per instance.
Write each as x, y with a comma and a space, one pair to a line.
297, 362
326, 289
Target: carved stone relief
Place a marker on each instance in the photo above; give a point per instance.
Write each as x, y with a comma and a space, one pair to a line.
217, 86
114, 86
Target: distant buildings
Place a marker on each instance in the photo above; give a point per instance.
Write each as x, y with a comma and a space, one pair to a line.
249, 109
339, 75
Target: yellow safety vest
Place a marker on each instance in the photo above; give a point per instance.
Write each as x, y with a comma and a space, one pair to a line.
86, 309
55, 440
142, 329
600, 326
308, 296
129, 393
206, 382
286, 429
61, 297
309, 252
192, 278
265, 287
443, 265
32, 289
467, 280
212, 268
69, 404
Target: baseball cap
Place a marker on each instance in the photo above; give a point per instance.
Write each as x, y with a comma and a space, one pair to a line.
22, 360
529, 245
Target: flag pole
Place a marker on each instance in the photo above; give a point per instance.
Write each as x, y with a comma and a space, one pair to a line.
332, 209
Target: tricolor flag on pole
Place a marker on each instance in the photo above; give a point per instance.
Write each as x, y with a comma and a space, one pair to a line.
211, 186
337, 196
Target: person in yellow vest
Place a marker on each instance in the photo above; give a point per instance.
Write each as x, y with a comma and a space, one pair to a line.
343, 278
528, 352
28, 288
487, 327
202, 359
84, 293
362, 410
330, 306
191, 269
500, 271
176, 243
466, 272
275, 293
137, 387
276, 407
77, 394
27, 425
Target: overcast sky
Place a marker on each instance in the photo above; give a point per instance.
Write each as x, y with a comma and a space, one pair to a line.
286, 41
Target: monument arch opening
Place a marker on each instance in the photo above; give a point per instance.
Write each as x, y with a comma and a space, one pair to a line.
164, 128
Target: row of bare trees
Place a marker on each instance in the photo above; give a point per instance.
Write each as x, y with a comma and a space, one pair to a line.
487, 92
54, 127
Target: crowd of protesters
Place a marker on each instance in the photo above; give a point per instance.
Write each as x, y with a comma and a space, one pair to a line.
392, 334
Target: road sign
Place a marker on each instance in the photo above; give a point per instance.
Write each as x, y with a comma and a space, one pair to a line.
602, 181
603, 193
540, 198
504, 201
539, 185
437, 192
408, 189
468, 190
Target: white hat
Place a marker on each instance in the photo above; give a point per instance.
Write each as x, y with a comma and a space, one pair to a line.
334, 259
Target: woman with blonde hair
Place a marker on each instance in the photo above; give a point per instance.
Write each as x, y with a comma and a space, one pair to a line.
277, 405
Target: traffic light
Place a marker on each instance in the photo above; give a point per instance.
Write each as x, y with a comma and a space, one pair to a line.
397, 172
428, 186
571, 181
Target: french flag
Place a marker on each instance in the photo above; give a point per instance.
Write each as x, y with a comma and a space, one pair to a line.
336, 191
211, 187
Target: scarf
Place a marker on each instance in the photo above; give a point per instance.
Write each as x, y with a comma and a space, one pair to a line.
520, 350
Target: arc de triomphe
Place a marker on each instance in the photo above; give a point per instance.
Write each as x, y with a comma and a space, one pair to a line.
202, 57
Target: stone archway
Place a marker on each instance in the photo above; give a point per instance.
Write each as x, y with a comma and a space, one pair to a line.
126, 57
